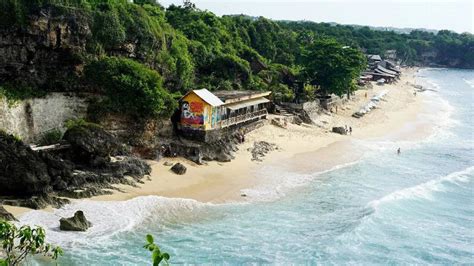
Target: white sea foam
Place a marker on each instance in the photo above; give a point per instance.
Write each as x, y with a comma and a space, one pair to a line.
108, 218
469, 82
276, 183
425, 190
432, 84
441, 118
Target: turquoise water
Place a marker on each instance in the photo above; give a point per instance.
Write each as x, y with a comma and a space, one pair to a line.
383, 209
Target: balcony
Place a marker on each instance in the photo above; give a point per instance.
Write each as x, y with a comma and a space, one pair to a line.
241, 118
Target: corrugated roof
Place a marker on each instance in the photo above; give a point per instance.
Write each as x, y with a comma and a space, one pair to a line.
383, 69
207, 96
374, 57
239, 105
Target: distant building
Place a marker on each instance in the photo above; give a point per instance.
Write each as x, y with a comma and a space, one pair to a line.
378, 69
390, 54
374, 58
203, 112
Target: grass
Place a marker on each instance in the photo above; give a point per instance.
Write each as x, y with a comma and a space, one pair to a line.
14, 94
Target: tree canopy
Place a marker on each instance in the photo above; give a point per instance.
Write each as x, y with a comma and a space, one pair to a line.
332, 66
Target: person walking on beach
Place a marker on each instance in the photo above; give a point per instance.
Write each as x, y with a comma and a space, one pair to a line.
350, 130
398, 151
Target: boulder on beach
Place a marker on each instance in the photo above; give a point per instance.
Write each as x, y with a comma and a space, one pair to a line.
260, 149
279, 123
224, 157
128, 166
93, 145
179, 169
76, 223
339, 130
167, 163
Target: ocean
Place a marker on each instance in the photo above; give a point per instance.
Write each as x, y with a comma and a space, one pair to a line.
412, 208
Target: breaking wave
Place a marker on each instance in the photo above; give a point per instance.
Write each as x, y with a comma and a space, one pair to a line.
277, 183
109, 217
425, 190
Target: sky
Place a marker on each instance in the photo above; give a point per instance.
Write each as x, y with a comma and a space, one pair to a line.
455, 15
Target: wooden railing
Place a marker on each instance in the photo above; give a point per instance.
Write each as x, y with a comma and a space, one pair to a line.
241, 118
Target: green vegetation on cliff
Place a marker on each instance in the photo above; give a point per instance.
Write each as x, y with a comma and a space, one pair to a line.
130, 87
141, 54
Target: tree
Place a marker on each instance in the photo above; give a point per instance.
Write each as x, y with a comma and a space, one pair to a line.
145, 2
188, 4
131, 88
333, 67
19, 243
156, 254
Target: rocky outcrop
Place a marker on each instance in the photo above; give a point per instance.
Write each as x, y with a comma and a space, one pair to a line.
90, 144
22, 171
260, 149
76, 223
221, 150
339, 130
179, 169
279, 122
5, 215
36, 202
35, 179
45, 50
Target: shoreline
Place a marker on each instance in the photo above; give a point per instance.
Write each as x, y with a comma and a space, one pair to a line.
223, 182
302, 149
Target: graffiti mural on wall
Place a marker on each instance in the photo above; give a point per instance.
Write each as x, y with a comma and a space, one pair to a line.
193, 113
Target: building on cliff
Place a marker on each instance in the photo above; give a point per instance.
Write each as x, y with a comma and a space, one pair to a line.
205, 116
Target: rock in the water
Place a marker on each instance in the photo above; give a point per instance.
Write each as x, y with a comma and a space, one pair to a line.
168, 164
5, 215
179, 169
339, 130
76, 223
23, 172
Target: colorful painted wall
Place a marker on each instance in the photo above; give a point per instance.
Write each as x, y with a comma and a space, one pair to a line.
195, 112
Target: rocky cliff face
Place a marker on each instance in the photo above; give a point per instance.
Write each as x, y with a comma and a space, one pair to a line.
45, 52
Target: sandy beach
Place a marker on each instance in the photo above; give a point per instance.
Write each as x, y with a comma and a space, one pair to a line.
397, 116
305, 148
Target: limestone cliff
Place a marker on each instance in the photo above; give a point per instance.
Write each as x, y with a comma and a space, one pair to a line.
45, 52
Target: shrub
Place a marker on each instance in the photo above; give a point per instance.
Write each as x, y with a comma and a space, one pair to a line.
51, 137
131, 88
72, 123
19, 243
15, 137
16, 93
